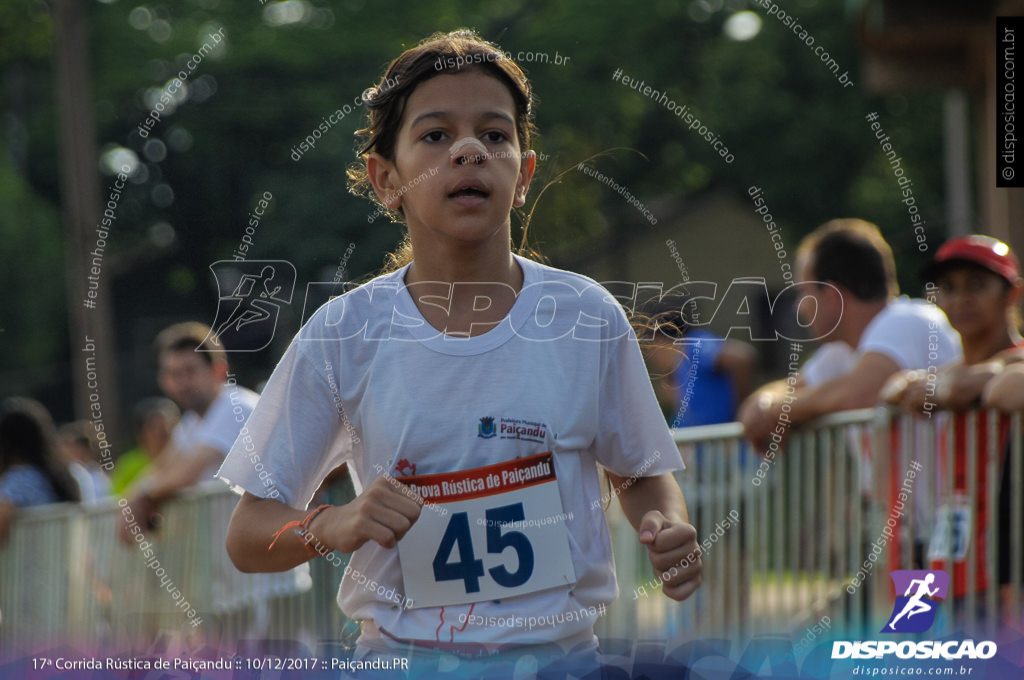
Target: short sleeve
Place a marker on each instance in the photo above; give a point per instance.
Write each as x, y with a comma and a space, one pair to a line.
183, 433
633, 438
895, 340
294, 437
831, 360
220, 428
913, 335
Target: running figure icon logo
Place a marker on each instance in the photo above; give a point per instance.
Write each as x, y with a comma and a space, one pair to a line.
250, 297
914, 611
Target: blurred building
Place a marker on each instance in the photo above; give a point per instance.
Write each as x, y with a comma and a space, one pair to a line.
950, 44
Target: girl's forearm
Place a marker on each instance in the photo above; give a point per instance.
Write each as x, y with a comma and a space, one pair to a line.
638, 496
251, 531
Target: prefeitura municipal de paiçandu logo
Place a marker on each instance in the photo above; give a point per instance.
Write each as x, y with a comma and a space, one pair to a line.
914, 610
486, 428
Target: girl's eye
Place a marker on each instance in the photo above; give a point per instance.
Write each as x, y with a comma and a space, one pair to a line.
434, 136
496, 136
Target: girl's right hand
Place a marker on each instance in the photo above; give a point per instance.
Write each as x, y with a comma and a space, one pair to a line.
384, 512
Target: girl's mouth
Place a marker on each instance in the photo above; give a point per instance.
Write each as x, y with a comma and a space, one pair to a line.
469, 193
468, 198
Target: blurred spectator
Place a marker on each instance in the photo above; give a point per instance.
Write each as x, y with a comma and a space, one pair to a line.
849, 272
153, 419
977, 283
80, 450
193, 372
831, 360
31, 470
700, 378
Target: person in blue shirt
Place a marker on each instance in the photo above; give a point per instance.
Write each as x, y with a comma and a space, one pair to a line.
701, 378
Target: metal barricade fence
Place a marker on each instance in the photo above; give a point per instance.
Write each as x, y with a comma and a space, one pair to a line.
792, 541
968, 512
818, 532
65, 577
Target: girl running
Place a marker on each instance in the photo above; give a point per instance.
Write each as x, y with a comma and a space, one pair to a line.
472, 393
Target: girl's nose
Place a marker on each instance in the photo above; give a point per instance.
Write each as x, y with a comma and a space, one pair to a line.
468, 150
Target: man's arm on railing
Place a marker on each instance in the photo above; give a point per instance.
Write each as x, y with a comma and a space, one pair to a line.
755, 412
383, 512
957, 387
656, 508
762, 412
1006, 391
179, 472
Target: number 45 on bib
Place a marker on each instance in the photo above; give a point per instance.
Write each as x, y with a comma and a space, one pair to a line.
486, 534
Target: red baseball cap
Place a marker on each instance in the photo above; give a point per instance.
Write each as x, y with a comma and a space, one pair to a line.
984, 251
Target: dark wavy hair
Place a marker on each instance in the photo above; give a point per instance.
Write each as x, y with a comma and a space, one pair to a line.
29, 437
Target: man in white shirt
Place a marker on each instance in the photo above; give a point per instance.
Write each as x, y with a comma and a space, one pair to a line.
852, 279
194, 374
831, 360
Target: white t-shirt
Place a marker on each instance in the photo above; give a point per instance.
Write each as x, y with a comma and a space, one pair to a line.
913, 333
831, 360
218, 427
368, 382
93, 483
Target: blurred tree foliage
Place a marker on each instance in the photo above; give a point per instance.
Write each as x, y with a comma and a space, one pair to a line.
285, 66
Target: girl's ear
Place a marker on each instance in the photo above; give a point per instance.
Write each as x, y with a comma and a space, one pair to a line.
526, 169
381, 172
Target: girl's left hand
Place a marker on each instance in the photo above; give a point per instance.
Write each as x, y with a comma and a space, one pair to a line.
674, 553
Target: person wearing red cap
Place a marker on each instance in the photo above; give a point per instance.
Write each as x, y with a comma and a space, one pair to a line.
976, 281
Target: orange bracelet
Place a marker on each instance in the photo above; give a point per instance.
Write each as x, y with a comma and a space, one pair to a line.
300, 528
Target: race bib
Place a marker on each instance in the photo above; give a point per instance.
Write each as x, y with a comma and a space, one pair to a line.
952, 535
486, 534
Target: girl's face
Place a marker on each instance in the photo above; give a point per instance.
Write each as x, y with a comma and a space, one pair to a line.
465, 197
975, 300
